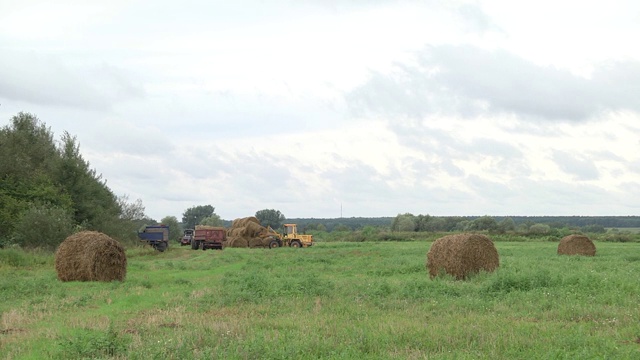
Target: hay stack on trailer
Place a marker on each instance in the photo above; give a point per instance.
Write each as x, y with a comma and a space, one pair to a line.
576, 245
90, 256
461, 255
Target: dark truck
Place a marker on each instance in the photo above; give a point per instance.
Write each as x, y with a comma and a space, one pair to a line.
155, 235
208, 237
186, 237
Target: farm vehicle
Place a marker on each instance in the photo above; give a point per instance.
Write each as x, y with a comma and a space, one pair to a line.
290, 237
157, 236
208, 237
186, 237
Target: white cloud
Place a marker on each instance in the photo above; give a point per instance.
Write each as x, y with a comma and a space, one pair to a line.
379, 107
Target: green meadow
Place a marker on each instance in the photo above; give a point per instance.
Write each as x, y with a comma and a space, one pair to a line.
336, 300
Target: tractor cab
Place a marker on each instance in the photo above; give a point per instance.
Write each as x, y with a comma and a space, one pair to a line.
293, 239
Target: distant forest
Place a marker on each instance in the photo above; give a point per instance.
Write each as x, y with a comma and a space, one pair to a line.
356, 223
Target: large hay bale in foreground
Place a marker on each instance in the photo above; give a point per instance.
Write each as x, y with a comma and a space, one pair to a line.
90, 256
576, 245
461, 255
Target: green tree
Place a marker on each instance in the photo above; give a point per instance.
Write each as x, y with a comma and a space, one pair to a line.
341, 228
213, 220
175, 229
27, 148
484, 223
539, 229
193, 215
270, 217
369, 232
94, 203
430, 223
594, 228
43, 226
131, 211
507, 224
404, 222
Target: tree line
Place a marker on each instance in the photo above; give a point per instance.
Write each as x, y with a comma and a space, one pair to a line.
48, 190
420, 223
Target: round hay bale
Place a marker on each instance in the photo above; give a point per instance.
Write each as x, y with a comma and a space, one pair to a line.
461, 255
253, 229
238, 242
244, 221
90, 256
256, 242
237, 232
576, 245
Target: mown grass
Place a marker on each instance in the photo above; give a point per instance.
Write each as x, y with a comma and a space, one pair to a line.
370, 300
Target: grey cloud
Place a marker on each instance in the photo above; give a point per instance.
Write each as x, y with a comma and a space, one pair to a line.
580, 168
451, 169
469, 81
494, 148
46, 80
446, 145
490, 190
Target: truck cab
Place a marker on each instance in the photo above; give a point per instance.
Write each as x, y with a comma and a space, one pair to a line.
186, 237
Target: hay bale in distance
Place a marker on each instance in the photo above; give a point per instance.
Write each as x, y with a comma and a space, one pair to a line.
237, 242
241, 222
461, 255
255, 242
90, 256
576, 245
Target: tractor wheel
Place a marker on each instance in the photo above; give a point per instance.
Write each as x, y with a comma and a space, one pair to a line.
161, 246
194, 245
296, 244
274, 244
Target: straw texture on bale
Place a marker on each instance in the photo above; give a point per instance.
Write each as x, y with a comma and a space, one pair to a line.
245, 232
462, 255
90, 256
207, 227
576, 245
238, 242
257, 242
243, 221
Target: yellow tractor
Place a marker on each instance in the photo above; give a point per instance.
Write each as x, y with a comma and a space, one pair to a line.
289, 238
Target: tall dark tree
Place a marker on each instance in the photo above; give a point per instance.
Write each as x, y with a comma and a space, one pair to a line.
193, 215
270, 217
28, 156
39, 177
175, 230
94, 203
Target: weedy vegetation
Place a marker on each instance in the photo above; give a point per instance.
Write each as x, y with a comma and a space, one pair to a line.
336, 300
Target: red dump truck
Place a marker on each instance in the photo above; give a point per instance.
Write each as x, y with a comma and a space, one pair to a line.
208, 237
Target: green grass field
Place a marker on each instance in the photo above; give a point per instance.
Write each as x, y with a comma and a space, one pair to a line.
370, 300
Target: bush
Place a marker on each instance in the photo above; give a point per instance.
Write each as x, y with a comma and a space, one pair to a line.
617, 237
43, 226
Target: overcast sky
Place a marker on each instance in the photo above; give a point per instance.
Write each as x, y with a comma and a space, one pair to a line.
333, 107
